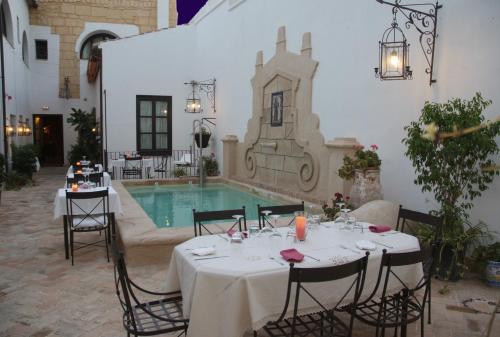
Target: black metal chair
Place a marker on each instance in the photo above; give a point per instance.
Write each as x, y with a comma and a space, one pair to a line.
399, 309
94, 216
405, 215
281, 210
97, 178
160, 168
200, 217
75, 179
151, 318
324, 322
132, 168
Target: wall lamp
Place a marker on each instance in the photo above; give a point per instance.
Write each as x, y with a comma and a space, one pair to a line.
10, 131
393, 48
193, 102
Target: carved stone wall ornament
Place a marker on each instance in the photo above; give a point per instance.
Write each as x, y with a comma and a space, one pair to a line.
291, 156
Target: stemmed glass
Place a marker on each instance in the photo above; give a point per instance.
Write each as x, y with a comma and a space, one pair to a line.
237, 217
275, 218
340, 218
266, 228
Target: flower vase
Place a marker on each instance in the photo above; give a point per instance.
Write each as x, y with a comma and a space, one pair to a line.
366, 187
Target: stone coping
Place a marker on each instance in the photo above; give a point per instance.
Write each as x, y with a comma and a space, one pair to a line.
140, 235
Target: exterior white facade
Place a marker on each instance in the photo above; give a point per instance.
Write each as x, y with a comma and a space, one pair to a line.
222, 40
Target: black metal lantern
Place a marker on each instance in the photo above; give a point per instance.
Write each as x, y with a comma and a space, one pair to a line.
394, 61
193, 102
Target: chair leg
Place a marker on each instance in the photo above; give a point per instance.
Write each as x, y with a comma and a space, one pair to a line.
72, 248
422, 326
106, 243
254, 333
429, 307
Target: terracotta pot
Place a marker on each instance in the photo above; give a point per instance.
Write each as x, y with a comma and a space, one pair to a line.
366, 187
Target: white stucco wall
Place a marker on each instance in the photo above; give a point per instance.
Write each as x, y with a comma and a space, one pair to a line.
224, 37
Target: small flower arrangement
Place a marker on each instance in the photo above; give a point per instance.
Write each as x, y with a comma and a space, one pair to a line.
362, 160
331, 212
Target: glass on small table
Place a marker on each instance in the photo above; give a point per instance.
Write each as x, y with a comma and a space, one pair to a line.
275, 218
266, 228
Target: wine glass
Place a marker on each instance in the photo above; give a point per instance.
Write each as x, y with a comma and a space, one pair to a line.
340, 218
266, 228
275, 218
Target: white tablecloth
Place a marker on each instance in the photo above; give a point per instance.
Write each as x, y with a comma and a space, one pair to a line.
70, 169
227, 296
116, 166
106, 178
60, 202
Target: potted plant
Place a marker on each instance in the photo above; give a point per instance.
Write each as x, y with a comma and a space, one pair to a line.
205, 133
331, 212
487, 260
364, 169
210, 165
449, 163
179, 172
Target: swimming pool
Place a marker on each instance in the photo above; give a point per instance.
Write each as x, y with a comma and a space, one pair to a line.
172, 205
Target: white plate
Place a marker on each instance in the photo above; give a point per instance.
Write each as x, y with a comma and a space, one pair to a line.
366, 245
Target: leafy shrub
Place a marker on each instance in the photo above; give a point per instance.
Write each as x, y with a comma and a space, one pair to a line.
14, 181
210, 166
483, 254
85, 124
24, 159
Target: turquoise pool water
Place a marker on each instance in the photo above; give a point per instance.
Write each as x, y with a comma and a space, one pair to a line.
172, 205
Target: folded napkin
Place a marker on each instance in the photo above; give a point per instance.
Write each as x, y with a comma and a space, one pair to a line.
202, 251
366, 245
292, 255
379, 228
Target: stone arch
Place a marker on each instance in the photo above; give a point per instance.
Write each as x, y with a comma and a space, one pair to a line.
81, 42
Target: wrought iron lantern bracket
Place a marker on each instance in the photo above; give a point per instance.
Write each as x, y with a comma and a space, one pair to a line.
207, 87
424, 18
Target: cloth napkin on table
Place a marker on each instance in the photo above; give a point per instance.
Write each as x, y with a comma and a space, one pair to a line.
292, 255
379, 228
202, 251
365, 245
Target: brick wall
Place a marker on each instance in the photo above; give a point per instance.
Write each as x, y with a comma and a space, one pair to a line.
67, 19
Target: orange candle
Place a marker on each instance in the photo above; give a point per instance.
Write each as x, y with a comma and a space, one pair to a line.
78, 163
79, 172
300, 227
74, 187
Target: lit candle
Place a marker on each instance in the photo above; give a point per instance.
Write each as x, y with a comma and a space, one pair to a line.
78, 163
300, 227
79, 172
74, 187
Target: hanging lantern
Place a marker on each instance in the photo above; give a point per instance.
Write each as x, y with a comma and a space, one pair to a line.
10, 131
20, 128
394, 62
27, 129
193, 102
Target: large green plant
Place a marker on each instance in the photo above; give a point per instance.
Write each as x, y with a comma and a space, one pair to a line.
24, 159
85, 124
362, 160
452, 168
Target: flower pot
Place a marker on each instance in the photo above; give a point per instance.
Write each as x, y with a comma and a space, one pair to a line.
204, 139
493, 274
366, 187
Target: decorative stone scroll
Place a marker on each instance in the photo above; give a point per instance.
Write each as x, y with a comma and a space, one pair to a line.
283, 149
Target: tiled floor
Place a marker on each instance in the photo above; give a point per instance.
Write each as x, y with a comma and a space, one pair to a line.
42, 295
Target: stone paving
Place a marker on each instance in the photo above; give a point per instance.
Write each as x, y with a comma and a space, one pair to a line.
41, 294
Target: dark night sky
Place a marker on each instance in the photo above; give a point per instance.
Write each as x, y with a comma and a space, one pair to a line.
187, 9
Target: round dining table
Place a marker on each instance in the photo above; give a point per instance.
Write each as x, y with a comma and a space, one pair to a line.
239, 287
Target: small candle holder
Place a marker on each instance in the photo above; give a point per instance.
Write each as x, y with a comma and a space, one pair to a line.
74, 187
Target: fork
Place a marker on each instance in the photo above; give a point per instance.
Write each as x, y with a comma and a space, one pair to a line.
276, 260
351, 249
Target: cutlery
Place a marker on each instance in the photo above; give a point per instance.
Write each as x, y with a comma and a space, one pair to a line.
351, 249
382, 244
389, 233
276, 260
222, 237
212, 246
209, 258
312, 257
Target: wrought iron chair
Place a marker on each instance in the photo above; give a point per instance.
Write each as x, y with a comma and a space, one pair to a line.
88, 212
324, 322
151, 318
200, 217
281, 210
399, 309
160, 169
97, 178
406, 215
132, 168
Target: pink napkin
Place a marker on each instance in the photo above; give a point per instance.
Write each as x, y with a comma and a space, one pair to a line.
292, 255
379, 228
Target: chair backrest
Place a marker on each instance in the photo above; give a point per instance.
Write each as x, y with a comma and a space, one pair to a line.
97, 178
405, 215
75, 179
387, 272
126, 296
302, 276
281, 210
200, 217
133, 163
84, 206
